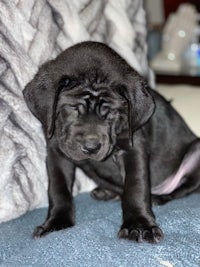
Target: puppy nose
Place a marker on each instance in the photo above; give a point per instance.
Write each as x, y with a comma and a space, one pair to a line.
91, 145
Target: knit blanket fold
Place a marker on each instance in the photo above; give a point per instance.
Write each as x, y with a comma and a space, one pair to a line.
32, 32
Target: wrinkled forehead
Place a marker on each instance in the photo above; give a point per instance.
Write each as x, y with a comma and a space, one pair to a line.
83, 94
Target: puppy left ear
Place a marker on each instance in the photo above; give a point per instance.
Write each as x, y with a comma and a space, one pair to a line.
41, 95
141, 104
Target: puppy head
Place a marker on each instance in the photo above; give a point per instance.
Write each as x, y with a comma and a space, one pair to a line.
87, 99
89, 116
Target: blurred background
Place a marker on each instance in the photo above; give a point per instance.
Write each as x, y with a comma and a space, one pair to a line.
174, 53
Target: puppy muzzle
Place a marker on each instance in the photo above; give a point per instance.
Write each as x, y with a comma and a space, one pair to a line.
91, 145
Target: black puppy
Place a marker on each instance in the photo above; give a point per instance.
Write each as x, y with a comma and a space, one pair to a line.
98, 114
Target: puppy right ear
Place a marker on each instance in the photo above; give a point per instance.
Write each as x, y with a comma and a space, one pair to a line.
41, 95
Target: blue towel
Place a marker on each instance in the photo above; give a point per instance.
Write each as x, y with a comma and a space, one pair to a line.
93, 241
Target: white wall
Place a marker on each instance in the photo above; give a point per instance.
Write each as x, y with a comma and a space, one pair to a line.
155, 12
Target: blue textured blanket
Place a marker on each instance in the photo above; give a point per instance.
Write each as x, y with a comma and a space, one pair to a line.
93, 241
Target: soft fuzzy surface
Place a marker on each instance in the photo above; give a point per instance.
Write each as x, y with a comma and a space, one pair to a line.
93, 241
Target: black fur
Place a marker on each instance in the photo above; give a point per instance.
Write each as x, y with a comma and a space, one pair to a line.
98, 114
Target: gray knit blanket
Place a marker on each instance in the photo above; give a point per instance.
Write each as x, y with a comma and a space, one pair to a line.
32, 32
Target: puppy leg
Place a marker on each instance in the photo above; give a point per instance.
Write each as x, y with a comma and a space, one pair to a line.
138, 218
185, 181
187, 188
61, 210
190, 185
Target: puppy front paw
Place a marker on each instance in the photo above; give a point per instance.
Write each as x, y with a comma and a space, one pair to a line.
50, 225
151, 234
39, 232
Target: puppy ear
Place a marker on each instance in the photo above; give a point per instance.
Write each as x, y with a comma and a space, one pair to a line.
41, 95
141, 104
